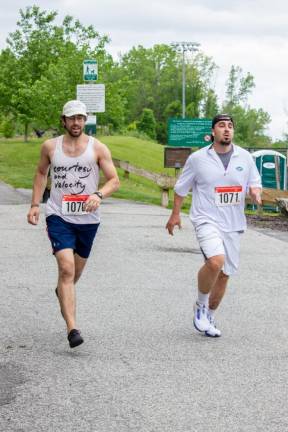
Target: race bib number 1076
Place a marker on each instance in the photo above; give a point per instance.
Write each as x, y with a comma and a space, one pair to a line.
74, 204
228, 195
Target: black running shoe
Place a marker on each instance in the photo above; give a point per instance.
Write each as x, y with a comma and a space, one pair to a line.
75, 338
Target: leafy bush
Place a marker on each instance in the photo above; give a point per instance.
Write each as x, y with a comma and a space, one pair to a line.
147, 123
8, 128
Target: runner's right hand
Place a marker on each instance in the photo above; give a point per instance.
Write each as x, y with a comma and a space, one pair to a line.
33, 215
172, 222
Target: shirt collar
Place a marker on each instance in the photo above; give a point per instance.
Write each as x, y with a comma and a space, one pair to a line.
211, 150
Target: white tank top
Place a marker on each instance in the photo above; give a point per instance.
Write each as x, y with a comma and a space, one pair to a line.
73, 176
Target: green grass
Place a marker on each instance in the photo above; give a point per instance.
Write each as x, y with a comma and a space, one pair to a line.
140, 153
18, 161
271, 213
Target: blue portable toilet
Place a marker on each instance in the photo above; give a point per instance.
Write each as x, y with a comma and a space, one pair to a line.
272, 168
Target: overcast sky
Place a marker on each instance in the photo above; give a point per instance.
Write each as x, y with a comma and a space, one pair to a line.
252, 34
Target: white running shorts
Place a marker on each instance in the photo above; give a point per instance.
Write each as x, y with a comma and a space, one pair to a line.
214, 242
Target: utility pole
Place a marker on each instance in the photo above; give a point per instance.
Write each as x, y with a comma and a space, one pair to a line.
182, 47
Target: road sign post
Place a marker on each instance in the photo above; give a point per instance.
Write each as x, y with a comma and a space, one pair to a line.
91, 94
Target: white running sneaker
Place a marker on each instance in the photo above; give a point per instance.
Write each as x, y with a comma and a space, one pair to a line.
212, 331
200, 320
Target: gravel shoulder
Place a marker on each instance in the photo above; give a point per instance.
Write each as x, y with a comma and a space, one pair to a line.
275, 223
272, 226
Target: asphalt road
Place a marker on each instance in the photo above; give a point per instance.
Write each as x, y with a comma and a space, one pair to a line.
142, 367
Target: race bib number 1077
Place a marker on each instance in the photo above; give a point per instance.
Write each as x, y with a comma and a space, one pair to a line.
74, 204
228, 195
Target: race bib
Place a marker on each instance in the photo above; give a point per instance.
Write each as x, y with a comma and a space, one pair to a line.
74, 204
228, 195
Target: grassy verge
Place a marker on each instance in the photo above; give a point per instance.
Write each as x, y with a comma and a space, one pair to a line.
18, 162
140, 153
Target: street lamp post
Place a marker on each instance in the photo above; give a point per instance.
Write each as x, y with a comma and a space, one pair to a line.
183, 47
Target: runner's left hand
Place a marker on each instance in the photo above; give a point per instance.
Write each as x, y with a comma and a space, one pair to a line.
92, 203
255, 194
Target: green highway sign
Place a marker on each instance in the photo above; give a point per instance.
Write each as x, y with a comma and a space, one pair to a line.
189, 132
90, 70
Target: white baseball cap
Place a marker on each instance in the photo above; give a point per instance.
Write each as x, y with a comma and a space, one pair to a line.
74, 107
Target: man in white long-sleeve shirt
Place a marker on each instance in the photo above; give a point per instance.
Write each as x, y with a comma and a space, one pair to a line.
219, 176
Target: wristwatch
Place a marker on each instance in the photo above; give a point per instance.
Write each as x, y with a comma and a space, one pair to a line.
99, 194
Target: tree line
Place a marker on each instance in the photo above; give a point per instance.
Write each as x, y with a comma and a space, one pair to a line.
43, 63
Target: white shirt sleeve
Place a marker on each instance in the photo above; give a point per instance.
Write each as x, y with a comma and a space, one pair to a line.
185, 182
254, 176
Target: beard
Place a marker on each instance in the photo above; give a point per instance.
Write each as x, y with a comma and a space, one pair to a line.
225, 142
74, 133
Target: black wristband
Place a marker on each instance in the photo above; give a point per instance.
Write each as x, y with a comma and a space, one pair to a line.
35, 205
99, 194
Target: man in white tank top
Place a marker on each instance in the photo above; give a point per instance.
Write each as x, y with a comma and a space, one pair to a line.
72, 211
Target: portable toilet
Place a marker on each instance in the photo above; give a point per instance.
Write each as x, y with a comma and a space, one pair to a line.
272, 168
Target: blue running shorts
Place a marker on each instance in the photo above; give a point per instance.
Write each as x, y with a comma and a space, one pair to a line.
66, 235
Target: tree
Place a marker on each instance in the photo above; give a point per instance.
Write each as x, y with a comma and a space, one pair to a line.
210, 106
53, 89
239, 87
152, 78
42, 65
147, 79
8, 128
250, 125
37, 50
147, 123
173, 109
115, 107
